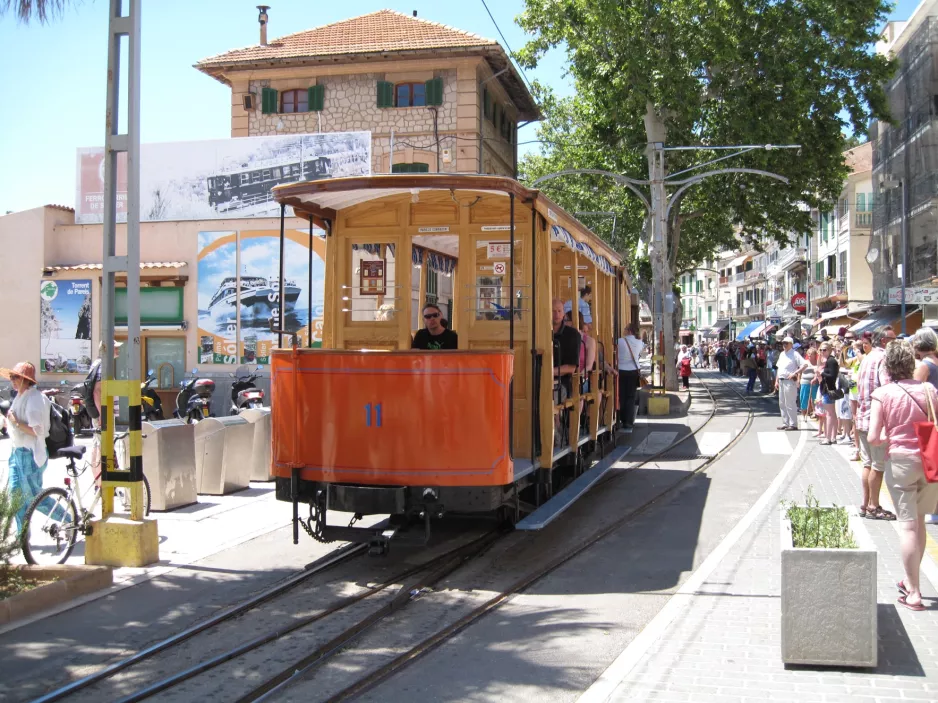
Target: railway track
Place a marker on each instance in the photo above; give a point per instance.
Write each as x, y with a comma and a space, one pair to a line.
424, 577
295, 673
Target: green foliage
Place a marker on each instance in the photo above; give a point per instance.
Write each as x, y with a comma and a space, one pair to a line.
11, 582
715, 72
815, 527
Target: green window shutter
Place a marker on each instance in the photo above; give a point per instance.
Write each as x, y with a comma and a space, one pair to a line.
486, 103
315, 97
496, 113
434, 91
385, 94
265, 101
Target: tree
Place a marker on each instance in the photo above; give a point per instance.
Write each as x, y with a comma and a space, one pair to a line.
704, 72
42, 10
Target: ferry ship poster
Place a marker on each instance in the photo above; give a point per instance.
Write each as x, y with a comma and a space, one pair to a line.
239, 293
217, 292
65, 326
259, 294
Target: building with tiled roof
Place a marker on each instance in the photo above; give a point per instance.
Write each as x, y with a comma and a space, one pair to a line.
435, 98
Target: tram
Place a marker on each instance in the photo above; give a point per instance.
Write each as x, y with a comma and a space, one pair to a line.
246, 187
368, 425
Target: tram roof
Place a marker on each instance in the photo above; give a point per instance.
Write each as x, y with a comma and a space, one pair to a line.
322, 199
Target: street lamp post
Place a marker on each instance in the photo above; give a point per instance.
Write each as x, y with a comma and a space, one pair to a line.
890, 183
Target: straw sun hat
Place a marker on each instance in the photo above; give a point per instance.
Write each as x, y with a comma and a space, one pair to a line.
24, 369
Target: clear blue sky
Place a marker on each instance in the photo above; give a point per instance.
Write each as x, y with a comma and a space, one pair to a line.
54, 75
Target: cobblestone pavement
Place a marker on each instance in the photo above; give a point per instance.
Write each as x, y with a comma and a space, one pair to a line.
724, 646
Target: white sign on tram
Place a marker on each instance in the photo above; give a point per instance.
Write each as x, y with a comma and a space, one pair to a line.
499, 250
499, 268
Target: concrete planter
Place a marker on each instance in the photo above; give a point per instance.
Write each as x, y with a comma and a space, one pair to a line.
65, 583
829, 602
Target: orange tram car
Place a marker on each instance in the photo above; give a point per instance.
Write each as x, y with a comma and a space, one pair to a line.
368, 425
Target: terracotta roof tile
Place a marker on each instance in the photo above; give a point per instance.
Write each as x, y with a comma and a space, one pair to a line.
378, 32
860, 158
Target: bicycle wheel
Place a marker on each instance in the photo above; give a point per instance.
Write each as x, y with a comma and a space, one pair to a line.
122, 498
50, 529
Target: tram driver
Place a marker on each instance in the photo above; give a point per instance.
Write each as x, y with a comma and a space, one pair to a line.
566, 350
434, 335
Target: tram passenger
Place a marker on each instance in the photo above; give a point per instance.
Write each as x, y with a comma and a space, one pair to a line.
566, 350
586, 293
435, 335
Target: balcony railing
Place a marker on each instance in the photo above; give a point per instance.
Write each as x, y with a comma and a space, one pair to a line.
827, 289
739, 277
844, 221
863, 219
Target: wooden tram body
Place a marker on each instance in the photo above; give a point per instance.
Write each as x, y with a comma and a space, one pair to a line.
368, 426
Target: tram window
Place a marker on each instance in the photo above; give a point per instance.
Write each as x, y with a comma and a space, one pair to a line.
437, 255
276, 173
492, 280
255, 176
266, 174
410, 95
373, 283
245, 178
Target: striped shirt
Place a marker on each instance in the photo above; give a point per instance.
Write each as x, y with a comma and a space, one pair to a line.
872, 375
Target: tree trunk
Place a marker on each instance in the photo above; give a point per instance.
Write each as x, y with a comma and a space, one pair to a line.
662, 281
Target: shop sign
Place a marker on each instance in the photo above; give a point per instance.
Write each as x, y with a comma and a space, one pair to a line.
372, 278
913, 295
799, 301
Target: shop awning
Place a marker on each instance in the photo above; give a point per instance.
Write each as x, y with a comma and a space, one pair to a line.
766, 328
877, 320
98, 267
715, 330
749, 330
836, 312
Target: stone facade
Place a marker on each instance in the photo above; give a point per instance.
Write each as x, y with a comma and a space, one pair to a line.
451, 145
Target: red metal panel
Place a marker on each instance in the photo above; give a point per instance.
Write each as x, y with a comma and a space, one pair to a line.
393, 418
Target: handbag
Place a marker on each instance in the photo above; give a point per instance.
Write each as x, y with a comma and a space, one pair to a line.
927, 435
642, 381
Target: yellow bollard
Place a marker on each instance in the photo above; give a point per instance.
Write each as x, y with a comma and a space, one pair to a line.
114, 540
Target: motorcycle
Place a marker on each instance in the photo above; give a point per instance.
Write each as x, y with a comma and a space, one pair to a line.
5, 404
244, 394
150, 403
81, 418
194, 398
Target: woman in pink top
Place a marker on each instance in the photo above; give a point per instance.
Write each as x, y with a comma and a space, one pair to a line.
896, 406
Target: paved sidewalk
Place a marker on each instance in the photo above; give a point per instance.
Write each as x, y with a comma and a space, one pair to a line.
722, 642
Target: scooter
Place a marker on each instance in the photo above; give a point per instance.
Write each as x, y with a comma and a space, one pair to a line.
150, 403
81, 418
244, 394
194, 398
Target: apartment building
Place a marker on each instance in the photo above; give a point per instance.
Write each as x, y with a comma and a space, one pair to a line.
905, 167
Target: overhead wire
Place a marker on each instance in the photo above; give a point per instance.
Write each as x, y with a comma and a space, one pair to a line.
510, 52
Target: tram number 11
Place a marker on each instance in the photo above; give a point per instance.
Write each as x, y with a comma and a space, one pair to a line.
377, 414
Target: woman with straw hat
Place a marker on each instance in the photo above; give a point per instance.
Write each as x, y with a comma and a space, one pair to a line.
28, 421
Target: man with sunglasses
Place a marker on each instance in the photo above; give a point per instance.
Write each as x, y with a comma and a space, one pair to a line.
434, 336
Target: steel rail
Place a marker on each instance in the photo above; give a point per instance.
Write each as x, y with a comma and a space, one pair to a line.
435, 640
280, 632
334, 559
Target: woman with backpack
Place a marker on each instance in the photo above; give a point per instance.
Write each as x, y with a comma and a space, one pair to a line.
28, 421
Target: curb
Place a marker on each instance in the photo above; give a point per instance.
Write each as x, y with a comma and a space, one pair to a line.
67, 582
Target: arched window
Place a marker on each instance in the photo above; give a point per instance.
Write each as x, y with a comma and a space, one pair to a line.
294, 101
410, 95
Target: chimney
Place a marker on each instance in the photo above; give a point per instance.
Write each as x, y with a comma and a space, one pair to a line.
262, 20
415, 13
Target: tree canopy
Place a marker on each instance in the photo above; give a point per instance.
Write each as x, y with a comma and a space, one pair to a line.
714, 72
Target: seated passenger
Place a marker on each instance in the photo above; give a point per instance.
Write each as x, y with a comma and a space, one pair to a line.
566, 350
435, 335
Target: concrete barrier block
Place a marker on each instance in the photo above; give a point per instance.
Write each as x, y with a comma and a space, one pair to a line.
828, 602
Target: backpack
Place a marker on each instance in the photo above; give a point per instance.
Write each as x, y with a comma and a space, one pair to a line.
87, 391
685, 366
60, 430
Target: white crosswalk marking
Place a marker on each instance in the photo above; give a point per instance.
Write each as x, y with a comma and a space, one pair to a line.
775, 443
709, 443
655, 442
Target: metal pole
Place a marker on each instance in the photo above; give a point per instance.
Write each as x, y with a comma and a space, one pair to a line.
280, 306
904, 238
511, 272
535, 395
309, 290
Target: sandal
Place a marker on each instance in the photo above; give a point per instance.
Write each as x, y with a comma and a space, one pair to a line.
880, 514
862, 513
911, 606
902, 589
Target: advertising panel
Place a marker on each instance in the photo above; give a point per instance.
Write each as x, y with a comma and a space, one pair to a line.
239, 293
219, 178
65, 326
914, 295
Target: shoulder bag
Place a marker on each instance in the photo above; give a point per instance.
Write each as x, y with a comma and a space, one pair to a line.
927, 435
642, 381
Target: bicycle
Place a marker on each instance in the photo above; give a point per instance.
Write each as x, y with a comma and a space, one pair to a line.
57, 515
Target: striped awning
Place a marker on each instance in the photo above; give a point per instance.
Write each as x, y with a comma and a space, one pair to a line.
560, 234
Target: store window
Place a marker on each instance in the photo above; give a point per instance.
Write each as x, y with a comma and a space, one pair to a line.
166, 356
